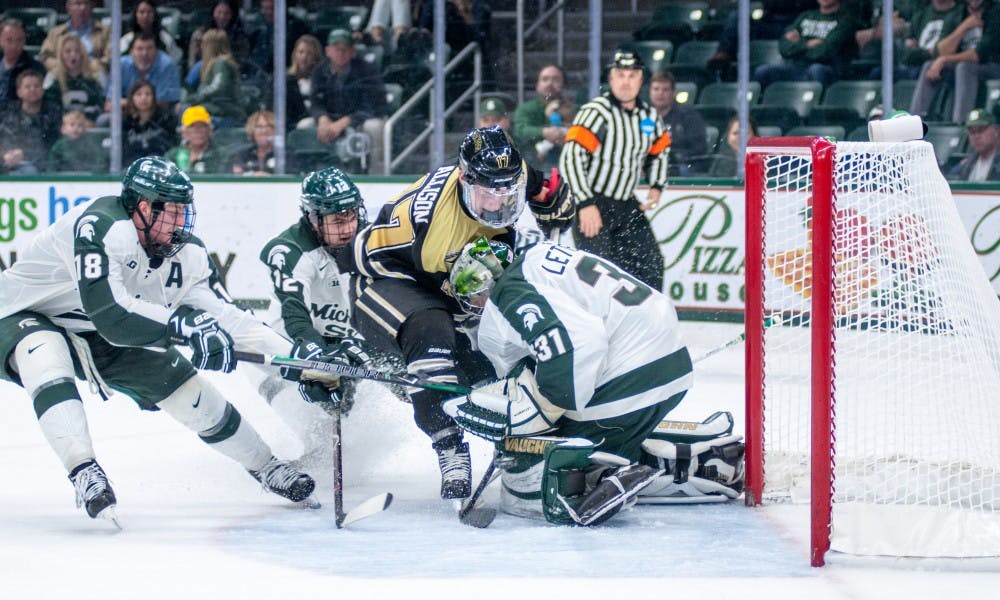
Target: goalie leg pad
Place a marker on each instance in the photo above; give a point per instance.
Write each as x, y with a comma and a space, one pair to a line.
706, 471
564, 479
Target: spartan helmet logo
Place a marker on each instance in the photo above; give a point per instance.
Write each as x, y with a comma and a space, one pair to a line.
503, 161
531, 314
85, 227
277, 256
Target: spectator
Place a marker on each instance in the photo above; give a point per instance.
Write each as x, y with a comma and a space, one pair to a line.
29, 128
14, 60
984, 139
258, 159
465, 21
615, 139
146, 62
219, 82
75, 152
919, 37
145, 18
725, 160
197, 153
397, 12
225, 16
73, 83
492, 112
778, 15
306, 56
685, 125
95, 36
540, 124
147, 129
262, 37
348, 95
815, 47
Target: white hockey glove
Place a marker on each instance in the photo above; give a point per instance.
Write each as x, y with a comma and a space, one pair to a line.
509, 407
211, 346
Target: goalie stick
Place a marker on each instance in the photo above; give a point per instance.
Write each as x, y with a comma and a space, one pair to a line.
349, 371
480, 516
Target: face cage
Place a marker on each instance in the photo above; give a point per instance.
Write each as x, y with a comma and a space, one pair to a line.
511, 199
466, 302
178, 237
361, 217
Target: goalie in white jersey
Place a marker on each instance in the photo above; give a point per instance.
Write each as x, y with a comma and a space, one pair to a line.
102, 295
588, 353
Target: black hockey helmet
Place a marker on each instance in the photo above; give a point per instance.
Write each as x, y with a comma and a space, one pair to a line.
493, 177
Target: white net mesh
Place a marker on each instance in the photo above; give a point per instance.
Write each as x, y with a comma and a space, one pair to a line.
916, 351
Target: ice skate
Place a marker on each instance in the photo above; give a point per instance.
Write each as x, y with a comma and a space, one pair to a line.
279, 477
93, 492
456, 470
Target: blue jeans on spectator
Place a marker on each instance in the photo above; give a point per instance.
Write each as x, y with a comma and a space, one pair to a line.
789, 71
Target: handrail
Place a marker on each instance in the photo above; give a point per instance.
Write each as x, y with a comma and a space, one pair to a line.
424, 90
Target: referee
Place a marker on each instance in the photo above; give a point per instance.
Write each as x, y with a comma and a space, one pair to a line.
615, 137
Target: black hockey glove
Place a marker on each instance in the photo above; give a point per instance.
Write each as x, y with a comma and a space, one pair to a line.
317, 392
555, 209
352, 351
302, 350
211, 346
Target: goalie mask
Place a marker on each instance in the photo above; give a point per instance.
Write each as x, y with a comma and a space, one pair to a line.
493, 178
334, 207
170, 222
475, 273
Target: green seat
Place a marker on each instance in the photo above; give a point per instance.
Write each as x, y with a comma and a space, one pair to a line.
768, 131
678, 22
696, 74
902, 93
37, 22
860, 96
725, 93
947, 140
393, 96
251, 96
310, 153
858, 134
373, 55
696, 51
992, 94
777, 115
799, 95
764, 52
230, 138
328, 18
685, 92
834, 131
711, 137
716, 115
655, 54
834, 115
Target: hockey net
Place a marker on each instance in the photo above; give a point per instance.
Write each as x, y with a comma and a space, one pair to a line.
873, 351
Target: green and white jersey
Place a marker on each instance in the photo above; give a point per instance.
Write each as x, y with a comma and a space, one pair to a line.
310, 289
88, 272
604, 343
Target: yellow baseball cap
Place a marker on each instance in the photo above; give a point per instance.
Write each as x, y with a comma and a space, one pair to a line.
195, 114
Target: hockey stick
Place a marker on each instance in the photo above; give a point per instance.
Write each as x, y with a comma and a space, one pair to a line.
348, 371
369, 507
480, 516
768, 322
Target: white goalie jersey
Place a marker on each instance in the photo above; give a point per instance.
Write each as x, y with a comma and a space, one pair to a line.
604, 343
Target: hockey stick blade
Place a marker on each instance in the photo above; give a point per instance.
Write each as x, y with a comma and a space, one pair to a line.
480, 518
352, 372
369, 507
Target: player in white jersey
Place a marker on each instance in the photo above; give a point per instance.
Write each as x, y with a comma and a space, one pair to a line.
309, 267
103, 295
586, 351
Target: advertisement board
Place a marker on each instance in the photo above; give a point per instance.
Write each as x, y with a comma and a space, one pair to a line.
700, 229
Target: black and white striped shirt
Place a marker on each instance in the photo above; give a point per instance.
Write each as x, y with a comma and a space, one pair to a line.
608, 148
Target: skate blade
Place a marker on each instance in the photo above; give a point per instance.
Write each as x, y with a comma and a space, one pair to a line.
310, 502
109, 514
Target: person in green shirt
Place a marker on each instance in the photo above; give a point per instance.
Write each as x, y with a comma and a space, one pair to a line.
197, 154
540, 124
219, 82
76, 152
814, 47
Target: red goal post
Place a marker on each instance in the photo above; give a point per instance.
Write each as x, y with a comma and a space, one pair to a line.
872, 396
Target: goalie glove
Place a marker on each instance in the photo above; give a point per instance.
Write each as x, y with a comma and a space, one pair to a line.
509, 407
211, 347
553, 206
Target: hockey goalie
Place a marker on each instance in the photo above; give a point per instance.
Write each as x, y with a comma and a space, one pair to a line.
592, 361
